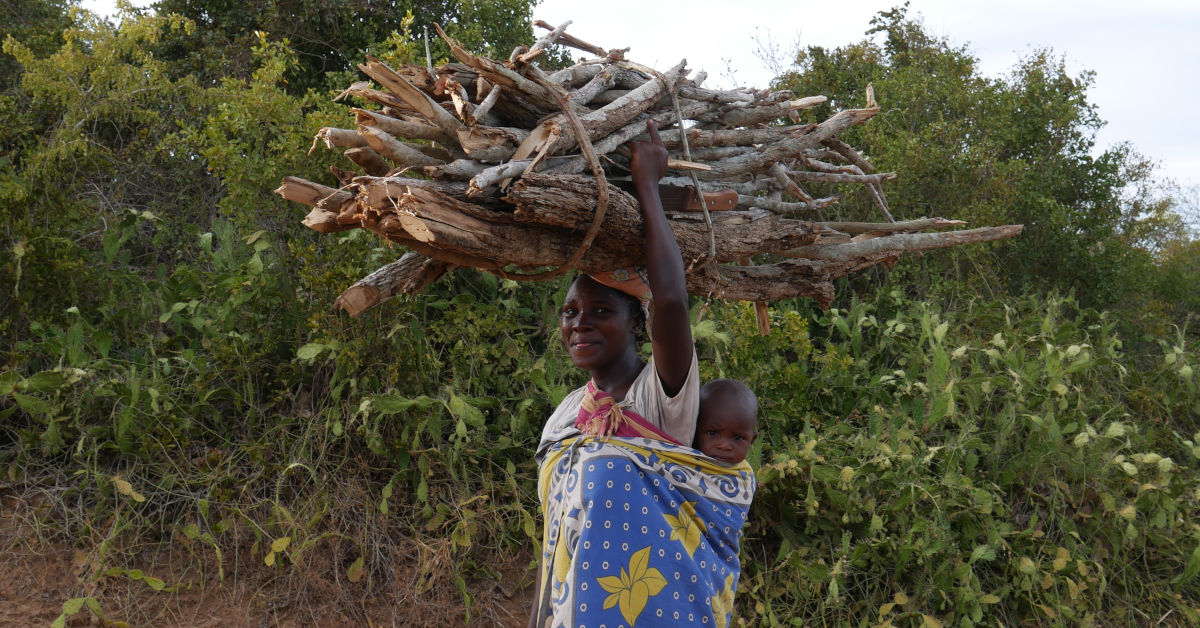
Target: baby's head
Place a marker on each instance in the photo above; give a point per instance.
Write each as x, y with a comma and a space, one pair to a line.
728, 421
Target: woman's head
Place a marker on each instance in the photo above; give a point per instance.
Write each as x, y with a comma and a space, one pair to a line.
599, 324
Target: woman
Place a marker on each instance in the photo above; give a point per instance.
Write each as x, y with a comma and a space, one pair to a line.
637, 525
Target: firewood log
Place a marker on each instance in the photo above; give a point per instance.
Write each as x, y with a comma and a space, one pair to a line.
481, 163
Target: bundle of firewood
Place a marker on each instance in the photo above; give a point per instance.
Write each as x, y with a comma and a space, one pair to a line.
505, 168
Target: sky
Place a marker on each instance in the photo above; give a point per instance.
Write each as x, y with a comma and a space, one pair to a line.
1144, 53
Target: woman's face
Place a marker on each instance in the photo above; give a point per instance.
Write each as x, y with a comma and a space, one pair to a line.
598, 327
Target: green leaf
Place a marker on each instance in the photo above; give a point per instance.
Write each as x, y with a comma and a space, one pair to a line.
155, 583
280, 544
126, 489
390, 404
1191, 569
459, 408
982, 552
166, 316
72, 606
8, 382
1027, 566
310, 351
45, 381
354, 574
530, 529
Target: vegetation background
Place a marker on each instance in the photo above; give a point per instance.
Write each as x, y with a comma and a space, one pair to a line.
999, 435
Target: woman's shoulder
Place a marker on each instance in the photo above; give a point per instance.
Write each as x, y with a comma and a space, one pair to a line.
647, 384
674, 415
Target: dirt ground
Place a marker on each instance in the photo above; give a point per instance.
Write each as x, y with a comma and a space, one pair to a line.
38, 575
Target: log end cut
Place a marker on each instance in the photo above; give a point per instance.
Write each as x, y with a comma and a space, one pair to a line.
358, 299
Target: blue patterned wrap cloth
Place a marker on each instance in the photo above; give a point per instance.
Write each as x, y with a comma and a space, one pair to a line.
639, 532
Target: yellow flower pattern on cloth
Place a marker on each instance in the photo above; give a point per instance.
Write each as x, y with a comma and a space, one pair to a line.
722, 603
686, 527
562, 561
633, 589
639, 532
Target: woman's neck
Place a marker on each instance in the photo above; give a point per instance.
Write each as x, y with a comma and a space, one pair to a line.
617, 378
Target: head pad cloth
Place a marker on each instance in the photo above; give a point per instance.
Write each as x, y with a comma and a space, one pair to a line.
632, 281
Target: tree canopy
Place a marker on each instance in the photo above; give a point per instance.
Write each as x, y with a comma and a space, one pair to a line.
1016, 149
332, 37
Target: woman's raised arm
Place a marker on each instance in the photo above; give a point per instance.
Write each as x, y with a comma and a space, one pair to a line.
670, 331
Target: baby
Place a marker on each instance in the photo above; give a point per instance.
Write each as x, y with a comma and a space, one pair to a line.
728, 420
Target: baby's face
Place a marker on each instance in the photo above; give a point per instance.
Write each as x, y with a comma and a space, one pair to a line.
725, 431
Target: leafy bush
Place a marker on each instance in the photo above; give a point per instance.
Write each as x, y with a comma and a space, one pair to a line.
984, 465
174, 378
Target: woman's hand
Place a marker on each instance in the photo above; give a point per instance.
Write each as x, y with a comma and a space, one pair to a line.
649, 158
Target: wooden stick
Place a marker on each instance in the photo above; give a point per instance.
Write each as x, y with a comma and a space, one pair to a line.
399, 153
672, 163
918, 224
781, 175
781, 207
813, 163
790, 149
491, 144
831, 177
487, 104
620, 112
538, 47
850, 154
904, 243
408, 275
500, 75
572, 41
578, 74
760, 115
402, 128
413, 97
598, 84
623, 135
332, 137
312, 194
370, 161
